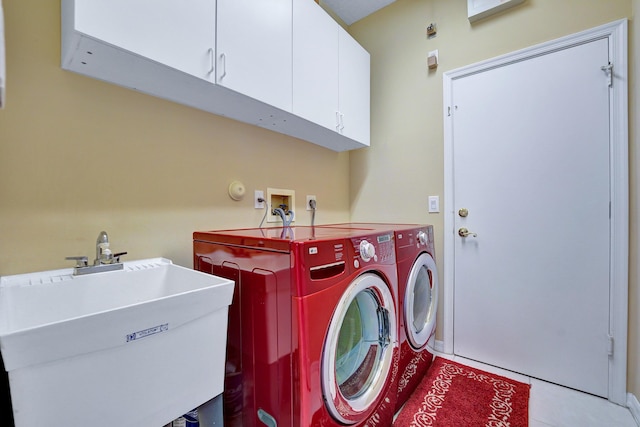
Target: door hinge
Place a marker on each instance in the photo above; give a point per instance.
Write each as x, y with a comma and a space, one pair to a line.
449, 111
608, 69
610, 345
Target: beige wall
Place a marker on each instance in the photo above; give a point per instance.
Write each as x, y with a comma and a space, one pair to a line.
78, 156
392, 180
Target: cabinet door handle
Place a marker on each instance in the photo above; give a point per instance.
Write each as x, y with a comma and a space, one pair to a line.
337, 121
341, 122
223, 61
211, 60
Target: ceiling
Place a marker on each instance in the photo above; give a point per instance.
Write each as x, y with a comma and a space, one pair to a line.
351, 11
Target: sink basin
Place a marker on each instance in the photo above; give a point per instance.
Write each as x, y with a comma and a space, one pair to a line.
139, 346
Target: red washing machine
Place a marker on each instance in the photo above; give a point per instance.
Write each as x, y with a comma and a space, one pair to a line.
312, 338
418, 291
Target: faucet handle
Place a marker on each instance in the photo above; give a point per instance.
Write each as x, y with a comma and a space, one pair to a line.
116, 257
81, 261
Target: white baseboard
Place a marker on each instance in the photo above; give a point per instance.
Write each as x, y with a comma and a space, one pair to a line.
634, 407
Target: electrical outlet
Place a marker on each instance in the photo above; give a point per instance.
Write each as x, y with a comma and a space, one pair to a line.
277, 197
309, 199
257, 196
432, 59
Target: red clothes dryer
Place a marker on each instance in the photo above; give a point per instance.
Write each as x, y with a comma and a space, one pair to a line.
312, 338
418, 302
418, 290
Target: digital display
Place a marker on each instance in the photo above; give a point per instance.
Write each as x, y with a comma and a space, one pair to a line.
385, 238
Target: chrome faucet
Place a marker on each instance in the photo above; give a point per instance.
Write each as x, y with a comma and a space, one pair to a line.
105, 260
103, 253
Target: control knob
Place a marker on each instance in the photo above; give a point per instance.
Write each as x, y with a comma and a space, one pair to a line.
367, 250
422, 238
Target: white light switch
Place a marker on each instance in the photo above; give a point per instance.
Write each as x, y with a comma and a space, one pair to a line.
434, 204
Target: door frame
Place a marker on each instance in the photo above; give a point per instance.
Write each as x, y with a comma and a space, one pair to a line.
616, 33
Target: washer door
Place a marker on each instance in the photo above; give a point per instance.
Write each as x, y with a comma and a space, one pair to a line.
421, 301
358, 350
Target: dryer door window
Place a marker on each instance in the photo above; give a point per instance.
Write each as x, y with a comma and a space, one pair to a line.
421, 301
358, 349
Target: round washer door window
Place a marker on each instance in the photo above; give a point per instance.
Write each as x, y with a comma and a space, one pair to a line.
421, 301
358, 350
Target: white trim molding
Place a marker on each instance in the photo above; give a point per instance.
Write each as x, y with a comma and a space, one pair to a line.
616, 34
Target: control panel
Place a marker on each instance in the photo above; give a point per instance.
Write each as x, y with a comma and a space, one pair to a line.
378, 249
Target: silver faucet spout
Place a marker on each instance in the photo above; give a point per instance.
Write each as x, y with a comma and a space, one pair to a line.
103, 253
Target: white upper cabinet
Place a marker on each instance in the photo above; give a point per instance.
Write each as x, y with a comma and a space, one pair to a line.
180, 34
254, 49
315, 64
330, 74
235, 58
355, 88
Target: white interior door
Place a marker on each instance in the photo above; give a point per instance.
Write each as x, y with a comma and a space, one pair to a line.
531, 160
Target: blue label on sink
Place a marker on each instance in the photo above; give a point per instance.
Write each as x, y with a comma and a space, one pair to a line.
147, 332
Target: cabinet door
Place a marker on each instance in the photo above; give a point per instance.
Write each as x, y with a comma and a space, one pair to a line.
354, 88
180, 34
254, 49
315, 64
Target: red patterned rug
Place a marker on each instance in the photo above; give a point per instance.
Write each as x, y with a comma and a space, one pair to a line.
454, 395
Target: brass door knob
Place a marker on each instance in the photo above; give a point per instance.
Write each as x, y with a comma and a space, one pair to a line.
463, 232
464, 212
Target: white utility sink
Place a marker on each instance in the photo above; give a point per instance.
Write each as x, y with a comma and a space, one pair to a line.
135, 347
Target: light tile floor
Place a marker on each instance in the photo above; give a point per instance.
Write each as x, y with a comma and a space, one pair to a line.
551, 405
